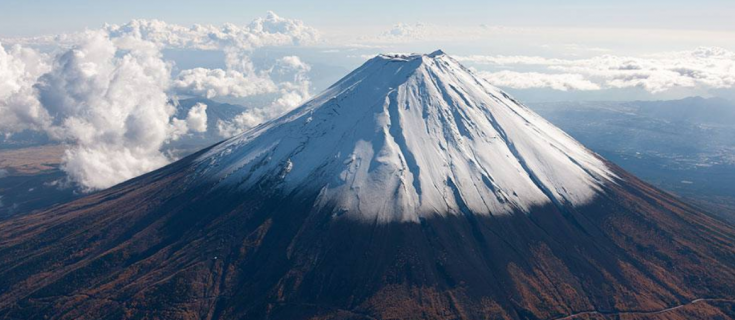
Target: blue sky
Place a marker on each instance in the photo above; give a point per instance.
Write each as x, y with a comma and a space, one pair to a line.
25, 18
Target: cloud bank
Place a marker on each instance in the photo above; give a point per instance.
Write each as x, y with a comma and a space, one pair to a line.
293, 91
19, 108
528, 80
105, 93
212, 83
240, 78
196, 119
107, 100
704, 67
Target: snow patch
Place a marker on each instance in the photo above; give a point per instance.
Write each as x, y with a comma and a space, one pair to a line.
407, 136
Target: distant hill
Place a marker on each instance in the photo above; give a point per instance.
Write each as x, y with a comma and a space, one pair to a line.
685, 146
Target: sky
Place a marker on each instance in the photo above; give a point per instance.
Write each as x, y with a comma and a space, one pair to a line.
52, 16
104, 77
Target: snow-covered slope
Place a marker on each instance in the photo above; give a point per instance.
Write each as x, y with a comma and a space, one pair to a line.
408, 136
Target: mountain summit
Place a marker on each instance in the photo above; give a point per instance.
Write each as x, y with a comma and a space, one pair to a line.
411, 136
410, 189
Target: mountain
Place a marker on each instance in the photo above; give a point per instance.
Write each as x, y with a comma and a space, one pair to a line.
406, 137
410, 189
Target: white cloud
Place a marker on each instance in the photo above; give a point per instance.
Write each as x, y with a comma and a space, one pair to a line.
400, 31
279, 31
704, 67
109, 103
239, 123
212, 83
196, 119
528, 80
240, 78
19, 69
503, 60
269, 31
292, 93
106, 99
105, 93
293, 63
103, 166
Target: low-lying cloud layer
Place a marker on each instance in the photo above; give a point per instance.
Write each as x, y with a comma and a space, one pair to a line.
106, 93
212, 83
704, 67
293, 90
271, 30
528, 80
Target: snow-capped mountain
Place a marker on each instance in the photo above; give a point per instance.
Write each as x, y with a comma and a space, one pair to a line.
407, 136
408, 190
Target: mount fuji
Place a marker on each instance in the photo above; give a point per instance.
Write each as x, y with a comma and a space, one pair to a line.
411, 136
410, 189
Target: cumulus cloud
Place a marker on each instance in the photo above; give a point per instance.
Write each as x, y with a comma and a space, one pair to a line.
109, 103
503, 60
271, 30
105, 98
106, 93
704, 67
196, 119
528, 80
417, 31
293, 92
240, 78
212, 83
19, 69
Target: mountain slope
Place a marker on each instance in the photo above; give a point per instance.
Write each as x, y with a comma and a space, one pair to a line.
409, 190
409, 131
